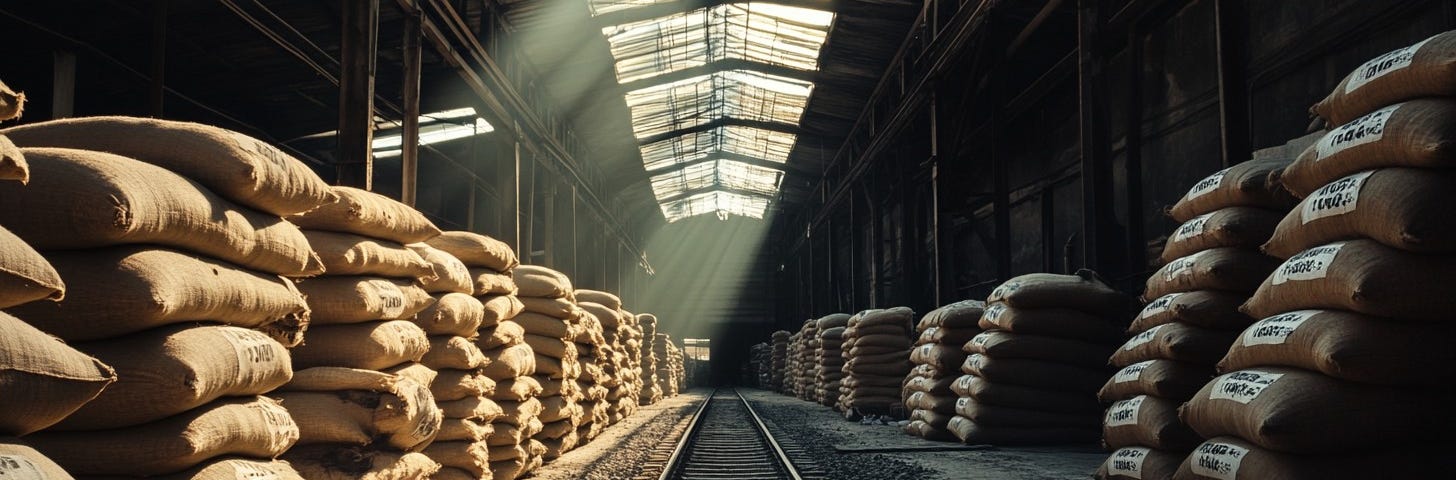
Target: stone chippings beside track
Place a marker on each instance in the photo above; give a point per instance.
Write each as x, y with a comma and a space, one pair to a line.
819, 447
629, 457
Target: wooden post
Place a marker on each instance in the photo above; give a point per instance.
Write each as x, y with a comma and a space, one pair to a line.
410, 156
1233, 94
359, 44
1097, 214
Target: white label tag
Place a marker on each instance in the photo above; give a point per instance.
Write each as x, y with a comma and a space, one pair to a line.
1243, 386
1382, 65
1208, 184
1141, 338
1159, 305
981, 339
1310, 264
248, 471
17, 467
1192, 228
1131, 373
1182, 266
976, 360
925, 351
1127, 462
1218, 460
1363, 130
964, 383
962, 402
391, 299
1336, 198
993, 312
1005, 290
1124, 412
1274, 330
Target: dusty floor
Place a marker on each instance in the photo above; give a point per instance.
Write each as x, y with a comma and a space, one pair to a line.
591, 461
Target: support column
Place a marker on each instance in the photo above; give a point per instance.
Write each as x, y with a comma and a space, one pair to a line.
1097, 212
410, 146
356, 93
1233, 94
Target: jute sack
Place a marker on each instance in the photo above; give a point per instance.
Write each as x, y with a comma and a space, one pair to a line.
357, 299
350, 254
255, 427
1230, 458
451, 275
537, 281
954, 336
369, 346
605, 299
935, 420
236, 166
900, 317
491, 282
1297, 411
520, 413
41, 379
452, 314
517, 389
1411, 134
453, 352
499, 308
926, 336
557, 368
1347, 346
556, 429
350, 462
482, 409
414, 371
458, 384
477, 250
111, 200
25, 276
1236, 227
833, 320
940, 356
1254, 183
19, 461
600, 313
962, 314
1146, 421
505, 334
550, 346
506, 435
1084, 291
369, 214
885, 330
167, 371
929, 432
558, 408
896, 342
1202, 308
121, 290
1014, 416
1228, 269
342, 405
1423, 69
226, 468
971, 386
552, 307
512, 469
473, 458
460, 429
973, 433
510, 362
1175, 341
556, 447
1034, 373
1404, 208
12, 162
998, 344
1360, 276
1137, 463
943, 404
1051, 322
537, 324
12, 103
1160, 378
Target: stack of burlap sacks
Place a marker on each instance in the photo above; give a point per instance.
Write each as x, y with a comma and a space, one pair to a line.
172, 244
793, 370
1348, 373
802, 365
759, 362
876, 352
1211, 264
620, 374
929, 390
778, 359
651, 392
591, 395
828, 358
670, 372
1037, 366
552, 321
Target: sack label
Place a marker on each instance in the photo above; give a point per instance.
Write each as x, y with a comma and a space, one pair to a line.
1124, 412
429, 417
18, 467
976, 360
1192, 228
1310, 264
1182, 266
1208, 184
255, 353
993, 312
1243, 386
1382, 65
1276, 329
1141, 338
1132, 373
1159, 305
1363, 130
282, 432
981, 340
391, 299
1337, 198
1005, 290
248, 471
1218, 460
1127, 462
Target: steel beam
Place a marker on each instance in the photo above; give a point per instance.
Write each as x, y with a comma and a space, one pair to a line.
722, 122
721, 65
1233, 93
715, 187
1097, 212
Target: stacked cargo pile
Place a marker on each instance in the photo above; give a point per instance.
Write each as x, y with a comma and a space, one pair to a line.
670, 371
876, 361
505, 376
591, 353
629, 341
1211, 265
794, 368
360, 391
778, 359
177, 224
651, 393
1351, 322
1037, 367
808, 366
758, 361
828, 362
616, 380
550, 336
930, 390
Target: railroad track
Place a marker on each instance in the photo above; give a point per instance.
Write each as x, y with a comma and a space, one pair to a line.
726, 439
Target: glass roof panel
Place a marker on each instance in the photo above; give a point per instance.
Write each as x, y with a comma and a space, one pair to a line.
772, 34
723, 203
698, 100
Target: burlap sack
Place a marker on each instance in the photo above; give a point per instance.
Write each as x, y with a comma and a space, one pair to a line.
506, 435
1254, 183
898, 317
350, 254
599, 313
537, 281
884, 341
452, 314
111, 200
340, 300
41, 379
499, 308
833, 320
941, 356
933, 419
968, 431
349, 462
1234, 227
550, 346
369, 214
1228, 269
1403, 208
1229, 458
453, 352
512, 469
1137, 463
1361, 276
1423, 69
473, 458
517, 389
929, 432
1175, 341
537, 324
1084, 291
369, 346
12, 103
19, 461
167, 371
460, 429
1297, 411
12, 162
1146, 421
971, 386
1159, 378
943, 404
1411, 134
510, 362
558, 408
482, 409
477, 250
608, 300
1014, 416
1051, 322
25, 276
551, 307
414, 371
226, 468
248, 426
1347, 346
998, 344
1034, 373
451, 275
519, 413
884, 330
397, 411
1203, 308
458, 384
491, 282
557, 368
965, 313
238, 167
505, 334
954, 336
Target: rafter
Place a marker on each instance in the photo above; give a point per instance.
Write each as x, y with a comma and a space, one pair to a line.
721, 122
721, 65
648, 12
715, 187
754, 161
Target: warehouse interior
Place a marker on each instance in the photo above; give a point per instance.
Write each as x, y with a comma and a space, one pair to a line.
738, 168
